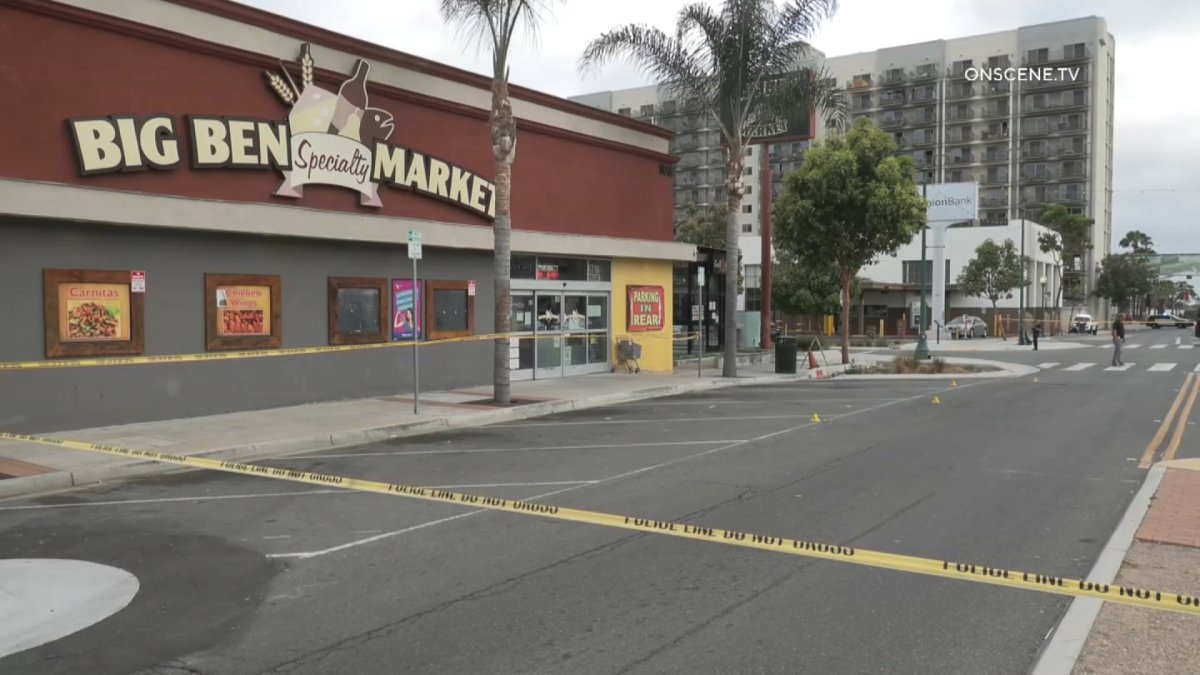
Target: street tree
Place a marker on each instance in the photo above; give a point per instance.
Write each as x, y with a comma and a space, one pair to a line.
1138, 242
806, 286
493, 24
1123, 279
994, 272
740, 65
1069, 240
850, 202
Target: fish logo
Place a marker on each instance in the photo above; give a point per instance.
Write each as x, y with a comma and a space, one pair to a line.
331, 134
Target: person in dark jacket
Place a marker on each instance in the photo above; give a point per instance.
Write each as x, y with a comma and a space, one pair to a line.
1118, 338
1037, 332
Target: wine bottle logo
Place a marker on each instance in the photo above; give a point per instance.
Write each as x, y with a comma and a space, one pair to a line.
332, 134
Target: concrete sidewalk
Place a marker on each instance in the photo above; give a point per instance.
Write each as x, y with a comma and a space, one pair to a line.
27, 468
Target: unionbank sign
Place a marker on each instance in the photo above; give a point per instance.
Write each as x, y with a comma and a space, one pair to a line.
951, 202
328, 138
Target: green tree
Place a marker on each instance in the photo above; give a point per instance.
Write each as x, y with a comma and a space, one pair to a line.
994, 272
494, 23
1123, 278
703, 227
1069, 239
737, 65
1138, 242
805, 287
850, 202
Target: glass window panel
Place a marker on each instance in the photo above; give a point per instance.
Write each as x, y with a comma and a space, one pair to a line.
523, 266
575, 353
597, 348
574, 312
522, 313
599, 270
549, 352
548, 312
358, 311
449, 309
565, 269
525, 353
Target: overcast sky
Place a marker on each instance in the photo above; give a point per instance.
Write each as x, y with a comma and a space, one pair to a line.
1156, 173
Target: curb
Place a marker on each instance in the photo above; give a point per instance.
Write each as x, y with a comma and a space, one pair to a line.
1059, 655
62, 480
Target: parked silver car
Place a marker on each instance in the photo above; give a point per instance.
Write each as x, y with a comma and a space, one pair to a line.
966, 326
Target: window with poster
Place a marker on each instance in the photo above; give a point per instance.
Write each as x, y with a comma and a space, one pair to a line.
91, 313
358, 310
408, 304
242, 311
450, 310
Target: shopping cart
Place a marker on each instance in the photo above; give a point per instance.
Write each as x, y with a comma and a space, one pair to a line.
628, 353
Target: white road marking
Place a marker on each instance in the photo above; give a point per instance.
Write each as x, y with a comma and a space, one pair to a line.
1186, 346
660, 420
478, 450
303, 555
1079, 366
1161, 367
1134, 346
1044, 366
1121, 368
278, 536
164, 500
1196, 369
1176, 340
1158, 346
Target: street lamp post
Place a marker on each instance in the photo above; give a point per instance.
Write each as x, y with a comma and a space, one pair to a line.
1045, 292
1021, 339
922, 351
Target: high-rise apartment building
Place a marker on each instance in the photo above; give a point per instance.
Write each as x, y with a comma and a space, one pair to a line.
1026, 113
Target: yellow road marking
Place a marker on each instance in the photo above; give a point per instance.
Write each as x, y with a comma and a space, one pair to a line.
996, 576
1152, 447
1173, 446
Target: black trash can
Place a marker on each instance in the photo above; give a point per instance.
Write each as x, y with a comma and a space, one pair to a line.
785, 354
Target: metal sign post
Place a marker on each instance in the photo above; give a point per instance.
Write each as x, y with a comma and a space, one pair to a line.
414, 254
701, 337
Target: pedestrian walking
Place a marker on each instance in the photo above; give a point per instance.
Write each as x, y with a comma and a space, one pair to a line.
1118, 338
1037, 332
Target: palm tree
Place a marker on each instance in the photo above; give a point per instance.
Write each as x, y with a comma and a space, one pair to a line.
494, 23
1138, 242
741, 65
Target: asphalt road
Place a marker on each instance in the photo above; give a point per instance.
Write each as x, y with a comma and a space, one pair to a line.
247, 575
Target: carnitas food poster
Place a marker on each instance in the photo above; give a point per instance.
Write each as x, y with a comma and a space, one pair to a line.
90, 312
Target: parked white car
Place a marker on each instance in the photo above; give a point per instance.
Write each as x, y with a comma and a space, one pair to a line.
1083, 323
1160, 320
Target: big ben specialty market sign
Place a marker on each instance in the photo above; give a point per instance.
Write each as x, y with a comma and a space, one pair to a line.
328, 138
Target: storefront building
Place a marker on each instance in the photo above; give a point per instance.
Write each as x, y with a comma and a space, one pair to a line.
196, 177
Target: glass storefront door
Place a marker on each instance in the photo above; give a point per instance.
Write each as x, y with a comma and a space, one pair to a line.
567, 333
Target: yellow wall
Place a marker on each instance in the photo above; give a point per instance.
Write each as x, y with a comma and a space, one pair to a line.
657, 355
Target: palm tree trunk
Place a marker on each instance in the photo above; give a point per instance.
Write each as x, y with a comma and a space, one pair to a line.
504, 150
733, 186
845, 316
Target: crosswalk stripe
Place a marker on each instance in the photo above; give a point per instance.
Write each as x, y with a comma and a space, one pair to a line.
1158, 346
1131, 346
1079, 366
1161, 367
1186, 346
1121, 368
1044, 366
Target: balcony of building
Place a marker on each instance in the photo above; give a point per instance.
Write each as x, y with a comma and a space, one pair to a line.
893, 77
995, 132
924, 72
1036, 173
861, 102
994, 177
994, 197
996, 111
1071, 148
922, 117
960, 91
887, 121
994, 89
893, 98
960, 113
995, 155
1035, 105
1056, 55
960, 158
921, 141
961, 135
1059, 80
860, 82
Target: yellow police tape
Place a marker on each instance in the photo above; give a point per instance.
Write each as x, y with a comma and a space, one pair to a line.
292, 351
997, 576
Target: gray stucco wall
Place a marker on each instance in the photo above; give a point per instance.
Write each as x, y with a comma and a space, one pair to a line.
175, 264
